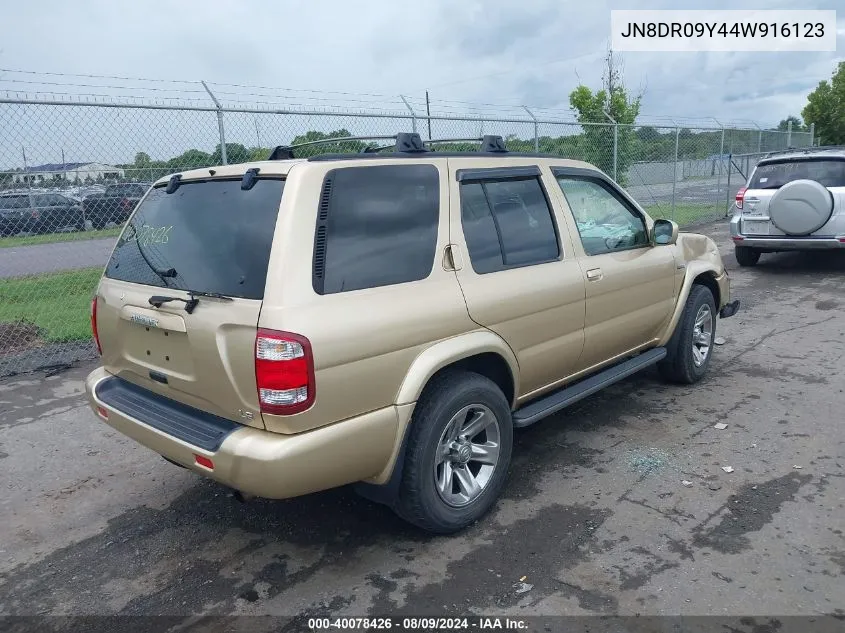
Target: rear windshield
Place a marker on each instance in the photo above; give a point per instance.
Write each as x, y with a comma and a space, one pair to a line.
209, 236
830, 173
14, 202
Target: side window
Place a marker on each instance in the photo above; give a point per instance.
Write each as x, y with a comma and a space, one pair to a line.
605, 223
376, 226
507, 223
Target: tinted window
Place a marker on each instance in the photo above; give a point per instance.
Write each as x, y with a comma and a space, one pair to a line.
605, 223
381, 227
14, 202
830, 173
507, 223
215, 236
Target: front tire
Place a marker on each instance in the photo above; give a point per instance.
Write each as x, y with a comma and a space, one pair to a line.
746, 256
458, 452
691, 346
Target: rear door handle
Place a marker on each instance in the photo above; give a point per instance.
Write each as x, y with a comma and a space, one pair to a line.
594, 274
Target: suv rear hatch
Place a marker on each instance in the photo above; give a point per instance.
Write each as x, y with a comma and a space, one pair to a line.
154, 321
770, 175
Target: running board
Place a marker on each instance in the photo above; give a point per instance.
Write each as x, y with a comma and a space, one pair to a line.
554, 402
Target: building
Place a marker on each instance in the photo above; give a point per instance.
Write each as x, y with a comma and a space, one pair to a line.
67, 172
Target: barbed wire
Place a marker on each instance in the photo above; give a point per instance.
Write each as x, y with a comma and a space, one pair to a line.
182, 91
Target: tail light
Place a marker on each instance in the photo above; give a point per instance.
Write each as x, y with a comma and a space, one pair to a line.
126, 204
740, 196
35, 215
94, 325
284, 372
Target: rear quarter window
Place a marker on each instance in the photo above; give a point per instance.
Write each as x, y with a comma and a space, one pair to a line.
208, 236
377, 226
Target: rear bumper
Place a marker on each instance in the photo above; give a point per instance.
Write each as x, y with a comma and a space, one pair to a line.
251, 460
784, 242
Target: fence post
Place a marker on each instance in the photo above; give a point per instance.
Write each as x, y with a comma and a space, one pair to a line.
789, 133
675, 170
413, 114
812, 134
728, 187
220, 127
536, 130
721, 162
759, 141
615, 143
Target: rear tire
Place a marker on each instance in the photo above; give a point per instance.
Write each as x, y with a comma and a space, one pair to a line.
459, 414
746, 256
691, 346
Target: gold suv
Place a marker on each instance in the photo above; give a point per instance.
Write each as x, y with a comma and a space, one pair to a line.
387, 318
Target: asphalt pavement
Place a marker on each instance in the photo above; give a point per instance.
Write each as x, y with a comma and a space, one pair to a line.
17, 261
595, 519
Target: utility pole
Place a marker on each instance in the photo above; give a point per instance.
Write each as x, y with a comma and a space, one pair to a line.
428, 113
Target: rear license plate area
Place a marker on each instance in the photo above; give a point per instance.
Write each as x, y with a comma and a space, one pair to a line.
755, 227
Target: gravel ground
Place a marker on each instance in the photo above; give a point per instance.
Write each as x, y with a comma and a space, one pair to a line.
595, 515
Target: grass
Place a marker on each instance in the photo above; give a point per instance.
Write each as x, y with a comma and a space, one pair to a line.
51, 238
686, 214
59, 303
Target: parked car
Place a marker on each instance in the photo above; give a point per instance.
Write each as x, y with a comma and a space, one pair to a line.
388, 318
114, 205
24, 212
794, 200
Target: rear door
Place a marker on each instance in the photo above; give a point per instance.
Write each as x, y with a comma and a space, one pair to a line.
519, 275
769, 176
208, 236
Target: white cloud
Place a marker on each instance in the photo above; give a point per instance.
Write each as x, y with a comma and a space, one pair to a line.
532, 52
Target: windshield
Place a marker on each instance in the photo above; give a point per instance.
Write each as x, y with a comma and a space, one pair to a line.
14, 202
208, 236
830, 173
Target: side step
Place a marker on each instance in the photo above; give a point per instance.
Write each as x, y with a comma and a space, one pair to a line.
554, 402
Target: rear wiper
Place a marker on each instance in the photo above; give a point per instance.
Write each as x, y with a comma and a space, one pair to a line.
190, 304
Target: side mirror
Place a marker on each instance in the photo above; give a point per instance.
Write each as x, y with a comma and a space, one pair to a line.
664, 232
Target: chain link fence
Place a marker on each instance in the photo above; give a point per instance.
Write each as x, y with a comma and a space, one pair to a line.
71, 174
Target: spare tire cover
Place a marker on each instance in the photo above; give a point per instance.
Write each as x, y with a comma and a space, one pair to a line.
801, 207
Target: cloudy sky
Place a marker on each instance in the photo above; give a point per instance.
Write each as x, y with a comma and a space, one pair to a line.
532, 52
466, 51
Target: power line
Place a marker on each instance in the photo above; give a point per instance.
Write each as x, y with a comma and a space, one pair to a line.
512, 70
76, 85
89, 76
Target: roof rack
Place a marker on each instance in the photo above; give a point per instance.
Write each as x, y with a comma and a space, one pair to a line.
404, 142
804, 150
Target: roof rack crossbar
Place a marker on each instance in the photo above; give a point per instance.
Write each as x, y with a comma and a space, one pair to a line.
403, 142
282, 152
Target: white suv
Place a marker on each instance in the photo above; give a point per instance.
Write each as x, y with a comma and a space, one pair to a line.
794, 200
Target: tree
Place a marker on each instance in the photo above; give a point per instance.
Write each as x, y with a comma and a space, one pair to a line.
193, 158
235, 153
647, 134
594, 108
313, 135
826, 108
797, 125
142, 159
